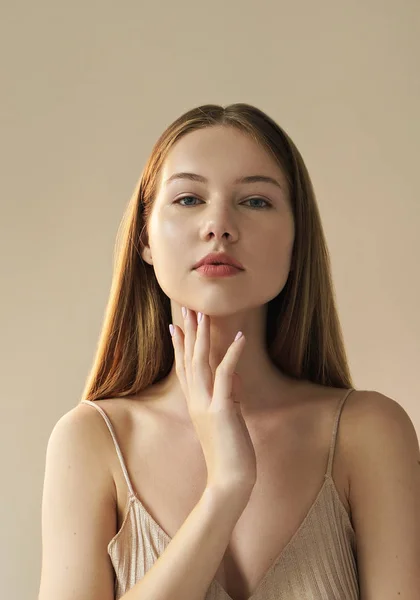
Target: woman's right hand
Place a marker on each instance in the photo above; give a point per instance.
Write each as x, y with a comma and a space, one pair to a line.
214, 406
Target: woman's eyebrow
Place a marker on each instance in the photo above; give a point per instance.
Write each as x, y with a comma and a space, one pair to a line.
247, 179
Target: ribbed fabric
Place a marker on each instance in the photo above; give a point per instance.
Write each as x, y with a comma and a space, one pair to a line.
318, 563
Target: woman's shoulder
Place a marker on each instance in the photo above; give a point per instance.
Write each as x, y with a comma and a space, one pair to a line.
126, 414
368, 414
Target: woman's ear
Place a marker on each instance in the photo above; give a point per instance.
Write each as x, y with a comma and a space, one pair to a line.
146, 255
146, 252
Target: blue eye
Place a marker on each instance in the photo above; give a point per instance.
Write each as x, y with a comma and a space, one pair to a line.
259, 200
249, 199
185, 198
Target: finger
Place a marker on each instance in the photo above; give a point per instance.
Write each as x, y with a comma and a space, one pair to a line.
237, 393
178, 344
202, 376
236, 387
189, 342
223, 380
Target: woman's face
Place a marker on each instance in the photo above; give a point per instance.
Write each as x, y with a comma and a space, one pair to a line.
253, 222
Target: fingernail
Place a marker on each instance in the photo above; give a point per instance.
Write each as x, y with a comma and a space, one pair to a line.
238, 336
171, 329
184, 312
199, 317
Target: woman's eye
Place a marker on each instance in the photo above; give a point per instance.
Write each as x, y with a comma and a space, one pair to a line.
260, 200
185, 198
268, 205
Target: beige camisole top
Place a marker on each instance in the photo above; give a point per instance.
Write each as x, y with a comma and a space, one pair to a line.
318, 563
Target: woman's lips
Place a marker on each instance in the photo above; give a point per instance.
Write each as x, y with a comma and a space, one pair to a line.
218, 270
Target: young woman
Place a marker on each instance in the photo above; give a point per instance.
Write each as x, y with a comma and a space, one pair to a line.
201, 466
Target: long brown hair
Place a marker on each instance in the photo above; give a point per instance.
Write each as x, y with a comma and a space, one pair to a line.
303, 332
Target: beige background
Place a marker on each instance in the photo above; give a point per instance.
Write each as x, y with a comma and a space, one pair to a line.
87, 87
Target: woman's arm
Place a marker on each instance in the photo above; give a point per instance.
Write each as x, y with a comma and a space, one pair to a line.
78, 511
189, 563
384, 466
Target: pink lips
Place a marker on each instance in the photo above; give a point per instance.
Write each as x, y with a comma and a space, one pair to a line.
218, 257
218, 270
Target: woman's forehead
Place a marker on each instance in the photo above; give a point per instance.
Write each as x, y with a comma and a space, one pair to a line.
215, 151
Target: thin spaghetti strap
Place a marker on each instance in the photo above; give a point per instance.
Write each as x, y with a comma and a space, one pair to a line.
334, 435
117, 447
